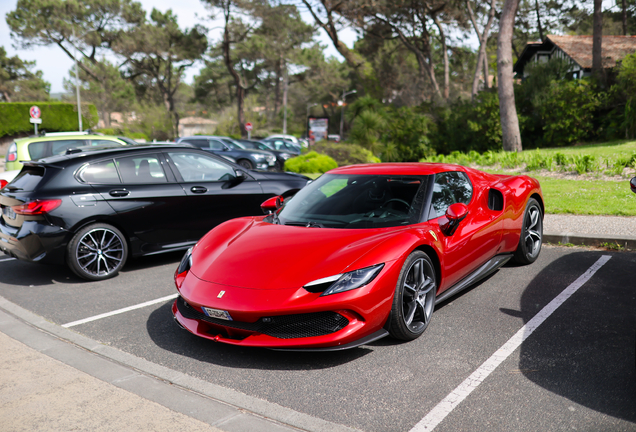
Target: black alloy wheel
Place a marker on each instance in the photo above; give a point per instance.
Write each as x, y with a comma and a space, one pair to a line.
97, 252
414, 298
531, 234
246, 164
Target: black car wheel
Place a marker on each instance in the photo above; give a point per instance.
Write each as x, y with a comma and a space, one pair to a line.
97, 252
531, 234
246, 164
414, 298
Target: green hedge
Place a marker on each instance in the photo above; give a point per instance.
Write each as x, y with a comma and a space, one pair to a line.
345, 153
56, 117
311, 162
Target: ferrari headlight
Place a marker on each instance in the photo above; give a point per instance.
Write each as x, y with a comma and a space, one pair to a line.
344, 282
186, 262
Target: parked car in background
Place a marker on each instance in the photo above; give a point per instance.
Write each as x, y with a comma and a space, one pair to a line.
49, 144
7, 176
230, 149
93, 208
375, 248
281, 144
281, 156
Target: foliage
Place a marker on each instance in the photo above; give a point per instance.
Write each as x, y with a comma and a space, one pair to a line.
56, 117
110, 94
345, 153
465, 125
17, 81
311, 162
408, 135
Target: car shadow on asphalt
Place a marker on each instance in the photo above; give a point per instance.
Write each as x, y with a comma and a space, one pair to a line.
585, 350
165, 333
22, 273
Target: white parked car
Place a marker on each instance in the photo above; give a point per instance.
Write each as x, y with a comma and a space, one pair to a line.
7, 176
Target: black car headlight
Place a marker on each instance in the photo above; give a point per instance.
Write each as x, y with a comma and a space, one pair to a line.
345, 281
186, 262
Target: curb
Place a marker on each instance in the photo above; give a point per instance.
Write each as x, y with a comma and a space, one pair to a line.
626, 242
221, 407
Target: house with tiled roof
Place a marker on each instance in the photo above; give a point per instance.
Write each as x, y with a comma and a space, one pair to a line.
577, 50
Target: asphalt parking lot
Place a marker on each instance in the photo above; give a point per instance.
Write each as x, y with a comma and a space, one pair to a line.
576, 371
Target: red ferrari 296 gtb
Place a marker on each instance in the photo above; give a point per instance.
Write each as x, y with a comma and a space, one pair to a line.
362, 252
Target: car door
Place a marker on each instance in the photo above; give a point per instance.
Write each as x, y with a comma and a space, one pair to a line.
478, 236
146, 199
214, 194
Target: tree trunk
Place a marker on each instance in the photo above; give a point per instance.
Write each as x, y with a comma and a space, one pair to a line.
597, 41
624, 13
482, 60
536, 7
240, 88
442, 37
511, 134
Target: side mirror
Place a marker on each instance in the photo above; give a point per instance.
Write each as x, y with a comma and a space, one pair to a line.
240, 175
455, 213
632, 184
272, 204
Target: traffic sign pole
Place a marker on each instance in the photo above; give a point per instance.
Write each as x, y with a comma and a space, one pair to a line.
35, 113
248, 128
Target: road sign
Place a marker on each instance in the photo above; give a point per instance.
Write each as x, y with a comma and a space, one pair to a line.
248, 126
35, 120
34, 111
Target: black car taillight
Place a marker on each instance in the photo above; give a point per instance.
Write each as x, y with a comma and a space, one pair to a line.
37, 207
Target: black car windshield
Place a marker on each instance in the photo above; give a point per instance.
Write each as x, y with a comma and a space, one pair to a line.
356, 201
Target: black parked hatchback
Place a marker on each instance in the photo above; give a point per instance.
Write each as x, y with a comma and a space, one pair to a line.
92, 209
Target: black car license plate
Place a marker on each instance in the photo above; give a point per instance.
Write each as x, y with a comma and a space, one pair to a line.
8, 212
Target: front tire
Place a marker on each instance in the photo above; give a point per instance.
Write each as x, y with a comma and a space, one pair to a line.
531, 234
414, 298
97, 252
246, 164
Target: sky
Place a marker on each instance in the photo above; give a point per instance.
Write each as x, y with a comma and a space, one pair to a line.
55, 64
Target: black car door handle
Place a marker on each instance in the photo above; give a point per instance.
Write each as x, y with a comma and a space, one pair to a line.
119, 193
198, 189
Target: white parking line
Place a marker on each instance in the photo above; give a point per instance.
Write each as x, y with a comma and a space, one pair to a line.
7, 259
120, 311
446, 406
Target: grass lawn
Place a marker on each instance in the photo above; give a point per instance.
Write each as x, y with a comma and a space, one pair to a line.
607, 150
588, 197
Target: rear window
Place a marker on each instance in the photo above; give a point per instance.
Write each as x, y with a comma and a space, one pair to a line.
37, 150
28, 179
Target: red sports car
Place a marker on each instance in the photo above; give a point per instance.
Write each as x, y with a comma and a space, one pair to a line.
363, 252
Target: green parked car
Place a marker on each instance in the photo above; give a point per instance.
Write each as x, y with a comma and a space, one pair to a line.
49, 144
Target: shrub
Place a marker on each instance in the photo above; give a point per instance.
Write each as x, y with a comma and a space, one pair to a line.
311, 162
56, 117
345, 153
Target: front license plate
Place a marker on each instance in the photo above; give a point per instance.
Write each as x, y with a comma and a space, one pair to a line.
216, 313
8, 212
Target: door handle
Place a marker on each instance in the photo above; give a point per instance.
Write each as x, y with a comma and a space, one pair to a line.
119, 193
198, 189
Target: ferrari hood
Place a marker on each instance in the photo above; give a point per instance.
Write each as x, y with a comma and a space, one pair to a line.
249, 253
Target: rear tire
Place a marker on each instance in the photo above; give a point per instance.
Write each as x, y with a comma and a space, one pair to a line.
414, 298
97, 252
531, 234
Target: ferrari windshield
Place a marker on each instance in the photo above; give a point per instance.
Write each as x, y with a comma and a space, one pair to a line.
356, 201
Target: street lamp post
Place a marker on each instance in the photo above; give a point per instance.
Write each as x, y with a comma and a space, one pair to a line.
342, 104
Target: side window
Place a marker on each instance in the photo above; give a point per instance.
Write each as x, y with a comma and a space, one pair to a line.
216, 145
195, 167
198, 143
100, 173
105, 142
60, 147
141, 169
451, 188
